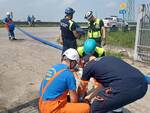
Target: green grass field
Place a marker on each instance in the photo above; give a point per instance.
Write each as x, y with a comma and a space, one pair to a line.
118, 38
123, 39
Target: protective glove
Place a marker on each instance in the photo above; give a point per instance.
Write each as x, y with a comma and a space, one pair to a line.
61, 41
80, 31
103, 43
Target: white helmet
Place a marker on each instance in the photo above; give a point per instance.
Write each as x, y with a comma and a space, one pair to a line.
71, 54
88, 15
8, 13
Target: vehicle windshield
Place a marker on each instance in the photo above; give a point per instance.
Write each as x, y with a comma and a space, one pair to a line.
108, 18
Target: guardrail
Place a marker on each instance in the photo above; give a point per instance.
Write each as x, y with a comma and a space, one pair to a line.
41, 24
56, 24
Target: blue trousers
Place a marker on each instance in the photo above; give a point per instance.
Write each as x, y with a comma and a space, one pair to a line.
11, 33
108, 102
69, 44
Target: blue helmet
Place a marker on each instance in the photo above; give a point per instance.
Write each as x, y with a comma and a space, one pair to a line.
69, 11
89, 46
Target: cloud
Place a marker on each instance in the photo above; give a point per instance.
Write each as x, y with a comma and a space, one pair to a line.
68, 2
111, 4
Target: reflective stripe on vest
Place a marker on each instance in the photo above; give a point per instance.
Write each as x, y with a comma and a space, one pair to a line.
100, 51
70, 24
80, 50
95, 32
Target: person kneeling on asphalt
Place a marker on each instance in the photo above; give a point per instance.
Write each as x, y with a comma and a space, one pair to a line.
58, 82
91, 48
122, 83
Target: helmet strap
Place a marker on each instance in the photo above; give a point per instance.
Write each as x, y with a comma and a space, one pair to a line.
72, 64
69, 17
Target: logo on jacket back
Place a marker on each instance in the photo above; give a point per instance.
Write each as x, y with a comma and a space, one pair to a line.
63, 24
50, 73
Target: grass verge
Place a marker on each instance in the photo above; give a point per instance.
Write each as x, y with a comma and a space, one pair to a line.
123, 39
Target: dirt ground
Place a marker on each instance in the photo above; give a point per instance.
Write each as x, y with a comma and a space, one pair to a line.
24, 62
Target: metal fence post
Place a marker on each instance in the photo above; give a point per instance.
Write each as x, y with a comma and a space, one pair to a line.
140, 16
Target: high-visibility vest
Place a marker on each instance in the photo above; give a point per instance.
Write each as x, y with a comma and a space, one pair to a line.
70, 24
80, 50
94, 30
98, 50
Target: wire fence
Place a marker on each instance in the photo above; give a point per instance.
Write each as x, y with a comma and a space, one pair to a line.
142, 46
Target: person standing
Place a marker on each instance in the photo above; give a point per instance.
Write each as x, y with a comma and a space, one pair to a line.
68, 28
96, 29
9, 25
11, 15
29, 20
32, 20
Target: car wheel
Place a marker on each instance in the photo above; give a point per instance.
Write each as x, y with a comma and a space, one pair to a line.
114, 28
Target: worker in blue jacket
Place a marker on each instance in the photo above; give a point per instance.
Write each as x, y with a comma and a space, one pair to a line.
69, 30
9, 25
122, 83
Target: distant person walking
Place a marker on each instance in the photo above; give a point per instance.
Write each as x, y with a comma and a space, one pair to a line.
29, 20
11, 15
69, 32
9, 25
32, 20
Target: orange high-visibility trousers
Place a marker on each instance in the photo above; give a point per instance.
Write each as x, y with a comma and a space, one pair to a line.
75, 108
60, 105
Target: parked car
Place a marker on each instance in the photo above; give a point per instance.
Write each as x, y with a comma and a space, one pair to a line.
115, 22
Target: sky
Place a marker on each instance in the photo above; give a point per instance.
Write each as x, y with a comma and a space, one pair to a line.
53, 10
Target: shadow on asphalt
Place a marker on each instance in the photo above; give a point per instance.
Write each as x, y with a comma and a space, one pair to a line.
32, 107
18, 40
24, 108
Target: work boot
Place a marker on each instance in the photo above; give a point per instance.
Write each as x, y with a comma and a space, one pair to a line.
14, 39
9, 38
118, 112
